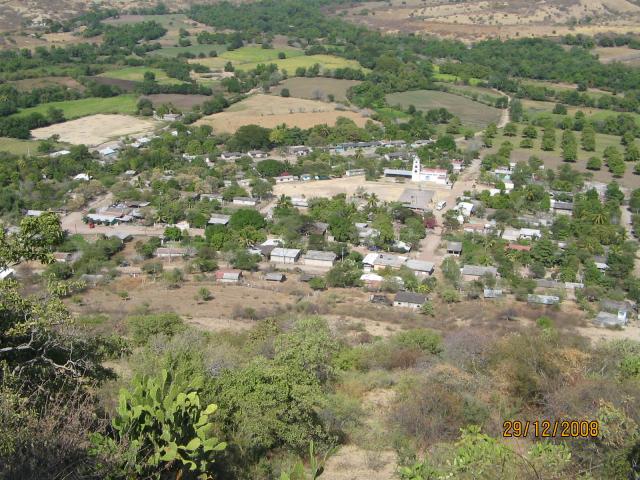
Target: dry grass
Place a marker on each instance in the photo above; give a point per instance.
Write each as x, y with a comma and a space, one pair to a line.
96, 129
271, 111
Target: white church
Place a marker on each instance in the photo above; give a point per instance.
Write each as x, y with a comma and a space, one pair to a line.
419, 174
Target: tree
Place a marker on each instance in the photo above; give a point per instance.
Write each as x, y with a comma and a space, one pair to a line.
37, 347
511, 130
249, 137
632, 153
491, 131
164, 428
344, 274
270, 168
594, 163
569, 146
588, 138
173, 234
285, 92
451, 270
530, 132
246, 217
549, 139
245, 260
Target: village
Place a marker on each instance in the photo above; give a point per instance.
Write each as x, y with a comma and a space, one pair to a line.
401, 273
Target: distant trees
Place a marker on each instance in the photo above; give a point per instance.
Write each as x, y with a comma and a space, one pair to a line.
569, 146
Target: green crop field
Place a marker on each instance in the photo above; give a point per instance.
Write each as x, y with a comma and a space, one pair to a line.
472, 114
193, 49
126, 104
318, 88
136, 74
327, 62
258, 54
449, 78
18, 147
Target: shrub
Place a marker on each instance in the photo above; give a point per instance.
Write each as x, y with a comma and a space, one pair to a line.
318, 283
420, 339
141, 327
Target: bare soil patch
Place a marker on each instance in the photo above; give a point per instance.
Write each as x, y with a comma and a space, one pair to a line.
271, 111
317, 88
96, 129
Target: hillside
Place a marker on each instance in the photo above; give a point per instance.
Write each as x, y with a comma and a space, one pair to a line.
473, 20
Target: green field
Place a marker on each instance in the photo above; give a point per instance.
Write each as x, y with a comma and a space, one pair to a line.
472, 114
193, 49
318, 88
126, 104
480, 94
248, 58
136, 74
18, 147
536, 110
449, 78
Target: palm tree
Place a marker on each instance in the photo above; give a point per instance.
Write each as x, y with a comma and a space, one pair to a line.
284, 202
372, 201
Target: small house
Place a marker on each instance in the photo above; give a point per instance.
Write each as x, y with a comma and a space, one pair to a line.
476, 272
60, 153
256, 154
275, 277
230, 156
409, 300
245, 201
83, 177
371, 281
384, 260
380, 300
173, 252
219, 219
318, 258
300, 150
454, 248
543, 299
285, 178
229, 276
420, 267
562, 208
606, 319
62, 257
285, 255
518, 248
492, 293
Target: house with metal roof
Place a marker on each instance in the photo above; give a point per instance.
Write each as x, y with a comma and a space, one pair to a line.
417, 199
229, 276
219, 219
454, 248
409, 300
606, 319
285, 255
543, 299
384, 260
475, 272
275, 277
318, 258
492, 293
420, 267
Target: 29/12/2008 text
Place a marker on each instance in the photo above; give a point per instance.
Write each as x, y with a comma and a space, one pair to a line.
551, 428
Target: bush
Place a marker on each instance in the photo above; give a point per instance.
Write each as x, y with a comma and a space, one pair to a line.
318, 283
285, 92
141, 327
420, 339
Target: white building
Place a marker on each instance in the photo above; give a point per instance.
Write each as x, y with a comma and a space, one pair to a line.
318, 258
285, 255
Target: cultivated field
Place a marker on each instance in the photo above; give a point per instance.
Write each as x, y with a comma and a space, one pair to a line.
183, 102
42, 82
248, 58
478, 19
271, 111
88, 106
96, 129
316, 88
536, 109
136, 74
472, 114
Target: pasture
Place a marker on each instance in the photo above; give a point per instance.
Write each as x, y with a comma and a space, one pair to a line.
96, 129
618, 54
472, 114
43, 82
194, 49
318, 88
183, 102
271, 111
326, 62
126, 104
18, 147
136, 74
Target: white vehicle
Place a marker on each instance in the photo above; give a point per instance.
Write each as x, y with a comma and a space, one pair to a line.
441, 205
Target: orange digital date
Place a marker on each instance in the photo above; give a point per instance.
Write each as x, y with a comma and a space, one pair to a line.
551, 428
